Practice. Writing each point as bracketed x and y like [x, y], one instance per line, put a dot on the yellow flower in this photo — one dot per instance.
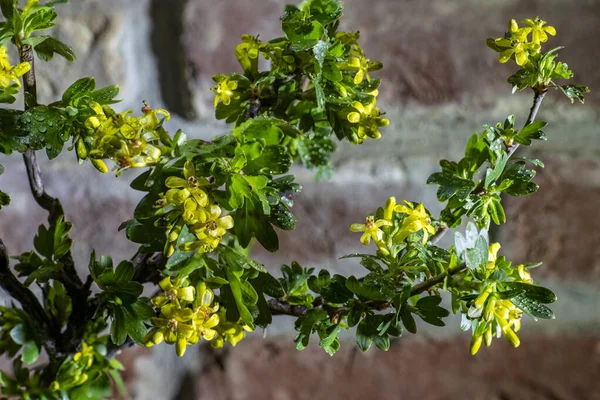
[225, 91]
[417, 219]
[230, 333]
[181, 189]
[361, 63]
[369, 119]
[371, 230]
[8, 73]
[173, 293]
[173, 326]
[211, 223]
[86, 355]
[524, 274]
[538, 30]
[516, 44]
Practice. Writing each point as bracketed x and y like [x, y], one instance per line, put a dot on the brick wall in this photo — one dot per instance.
[441, 83]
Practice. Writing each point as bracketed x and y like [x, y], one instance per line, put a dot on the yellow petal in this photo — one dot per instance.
[354, 117]
[21, 69]
[226, 222]
[521, 57]
[358, 227]
[365, 238]
[513, 26]
[550, 30]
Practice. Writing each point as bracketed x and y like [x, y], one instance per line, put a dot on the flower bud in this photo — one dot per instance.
[81, 149]
[483, 296]
[488, 314]
[475, 344]
[488, 335]
[181, 346]
[388, 211]
[100, 165]
[511, 336]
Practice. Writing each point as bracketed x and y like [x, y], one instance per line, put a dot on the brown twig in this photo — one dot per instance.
[439, 234]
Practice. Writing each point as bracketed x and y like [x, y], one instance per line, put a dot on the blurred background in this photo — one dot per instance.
[440, 84]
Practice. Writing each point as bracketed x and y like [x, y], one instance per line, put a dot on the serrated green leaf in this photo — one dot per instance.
[364, 290]
[451, 185]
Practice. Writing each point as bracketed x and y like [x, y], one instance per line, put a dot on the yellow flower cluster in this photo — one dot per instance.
[74, 373]
[9, 73]
[185, 203]
[131, 142]
[416, 218]
[187, 314]
[498, 316]
[368, 118]
[516, 44]
[229, 332]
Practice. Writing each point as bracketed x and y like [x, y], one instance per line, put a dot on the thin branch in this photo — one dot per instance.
[279, 307]
[439, 234]
[429, 283]
[18, 291]
[535, 107]
[43, 199]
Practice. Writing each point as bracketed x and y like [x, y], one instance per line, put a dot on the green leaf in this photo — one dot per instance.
[51, 46]
[531, 131]
[521, 179]
[302, 33]
[574, 92]
[329, 339]
[451, 185]
[35, 40]
[236, 290]
[364, 290]
[44, 127]
[118, 332]
[305, 326]
[62, 243]
[496, 211]
[31, 352]
[492, 174]
[324, 11]
[250, 221]
[333, 290]
[282, 217]
[43, 242]
[478, 255]
[531, 307]
[105, 95]
[19, 334]
[240, 187]
[80, 88]
[534, 292]
[274, 160]
[4, 199]
[407, 319]
[9, 9]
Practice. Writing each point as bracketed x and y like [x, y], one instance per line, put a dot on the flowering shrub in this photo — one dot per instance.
[205, 202]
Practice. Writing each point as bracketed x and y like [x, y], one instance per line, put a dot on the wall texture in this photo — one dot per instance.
[441, 83]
